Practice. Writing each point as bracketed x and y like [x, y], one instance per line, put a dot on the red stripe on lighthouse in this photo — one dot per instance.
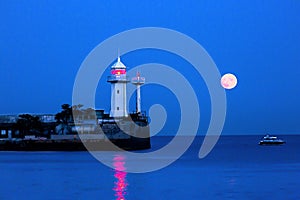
[118, 71]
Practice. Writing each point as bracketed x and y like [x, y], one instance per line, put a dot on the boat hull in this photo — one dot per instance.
[271, 143]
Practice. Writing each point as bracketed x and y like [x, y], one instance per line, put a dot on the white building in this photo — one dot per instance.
[118, 80]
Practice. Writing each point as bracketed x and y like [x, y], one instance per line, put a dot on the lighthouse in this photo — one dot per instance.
[138, 81]
[118, 80]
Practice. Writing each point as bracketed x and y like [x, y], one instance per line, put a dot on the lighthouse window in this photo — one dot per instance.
[117, 108]
[118, 91]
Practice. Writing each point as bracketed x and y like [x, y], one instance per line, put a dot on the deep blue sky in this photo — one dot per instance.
[42, 45]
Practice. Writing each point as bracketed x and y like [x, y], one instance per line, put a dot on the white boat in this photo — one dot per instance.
[271, 140]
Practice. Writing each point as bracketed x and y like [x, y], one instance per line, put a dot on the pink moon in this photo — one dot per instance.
[228, 81]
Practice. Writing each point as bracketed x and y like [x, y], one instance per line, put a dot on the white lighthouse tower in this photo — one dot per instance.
[138, 81]
[118, 80]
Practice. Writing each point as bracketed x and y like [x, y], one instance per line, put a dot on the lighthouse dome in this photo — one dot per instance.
[118, 64]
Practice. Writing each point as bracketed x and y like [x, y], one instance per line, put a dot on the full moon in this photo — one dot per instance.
[228, 81]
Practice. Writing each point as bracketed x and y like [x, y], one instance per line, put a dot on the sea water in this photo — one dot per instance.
[237, 168]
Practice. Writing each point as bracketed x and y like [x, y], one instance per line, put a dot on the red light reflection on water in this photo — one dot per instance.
[120, 174]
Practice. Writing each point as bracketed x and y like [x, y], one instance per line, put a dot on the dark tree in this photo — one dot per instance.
[77, 111]
[89, 113]
[64, 119]
[29, 125]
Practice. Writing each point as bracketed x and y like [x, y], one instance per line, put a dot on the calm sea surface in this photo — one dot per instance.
[237, 168]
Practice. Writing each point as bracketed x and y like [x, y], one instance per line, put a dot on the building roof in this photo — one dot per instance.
[118, 64]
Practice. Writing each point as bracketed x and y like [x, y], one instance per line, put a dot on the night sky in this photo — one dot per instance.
[43, 43]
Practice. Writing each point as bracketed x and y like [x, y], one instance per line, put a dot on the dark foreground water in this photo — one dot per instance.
[237, 168]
